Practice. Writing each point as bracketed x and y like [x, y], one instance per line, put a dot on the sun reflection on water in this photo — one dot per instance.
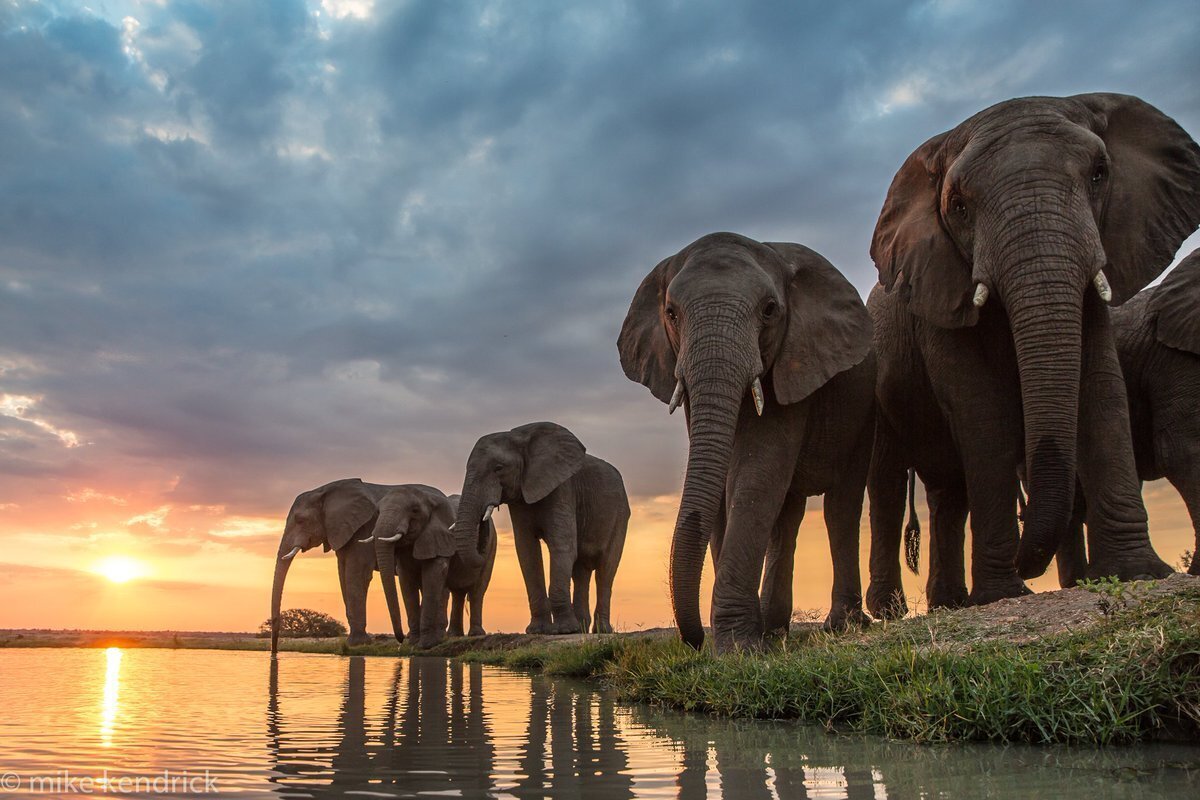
[110, 704]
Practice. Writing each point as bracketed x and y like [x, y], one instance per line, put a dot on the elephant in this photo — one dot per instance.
[335, 516]
[558, 493]
[412, 537]
[1158, 344]
[1055, 207]
[768, 349]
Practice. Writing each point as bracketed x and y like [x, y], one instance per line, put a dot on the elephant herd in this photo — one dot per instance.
[985, 360]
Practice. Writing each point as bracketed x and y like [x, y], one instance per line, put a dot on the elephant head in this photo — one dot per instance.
[1176, 306]
[327, 516]
[521, 465]
[1034, 202]
[416, 517]
[727, 326]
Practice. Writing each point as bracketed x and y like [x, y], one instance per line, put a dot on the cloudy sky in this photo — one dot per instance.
[247, 248]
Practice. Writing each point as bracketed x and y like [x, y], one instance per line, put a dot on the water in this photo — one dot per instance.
[324, 726]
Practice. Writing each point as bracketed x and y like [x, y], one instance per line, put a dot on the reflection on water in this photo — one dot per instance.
[112, 689]
[325, 726]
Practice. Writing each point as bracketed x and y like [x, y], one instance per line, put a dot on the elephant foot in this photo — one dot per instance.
[359, 637]
[1194, 569]
[477, 630]
[990, 593]
[1143, 566]
[538, 626]
[455, 630]
[949, 597]
[565, 626]
[727, 642]
[843, 618]
[432, 639]
[886, 602]
[602, 626]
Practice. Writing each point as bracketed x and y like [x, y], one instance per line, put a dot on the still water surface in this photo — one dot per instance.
[325, 726]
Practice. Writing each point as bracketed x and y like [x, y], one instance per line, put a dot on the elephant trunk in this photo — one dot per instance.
[469, 530]
[385, 557]
[717, 372]
[1044, 300]
[282, 565]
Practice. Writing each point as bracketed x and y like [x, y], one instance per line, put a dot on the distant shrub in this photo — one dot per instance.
[300, 622]
[1185, 560]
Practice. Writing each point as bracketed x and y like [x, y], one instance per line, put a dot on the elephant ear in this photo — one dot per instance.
[346, 508]
[1154, 189]
[828, 327]
[646, 354]
[552, 455]
[911, 248]
[1177, 303]
[437, 540]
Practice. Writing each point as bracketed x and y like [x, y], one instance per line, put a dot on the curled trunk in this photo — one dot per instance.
[469, 532]
[282, 566]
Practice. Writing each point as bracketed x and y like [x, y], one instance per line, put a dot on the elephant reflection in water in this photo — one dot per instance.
[587, 756]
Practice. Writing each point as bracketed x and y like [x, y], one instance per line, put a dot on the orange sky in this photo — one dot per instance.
[221, 580]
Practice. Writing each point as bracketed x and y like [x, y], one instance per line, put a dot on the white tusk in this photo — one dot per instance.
[1102, 286]
[370, 538]
[488, 514]
[756, 393]
[676, 398]
[391, 539]
[981, 295]
[451, 528]
[290, 555]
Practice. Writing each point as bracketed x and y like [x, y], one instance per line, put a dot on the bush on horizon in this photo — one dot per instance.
[296, 623]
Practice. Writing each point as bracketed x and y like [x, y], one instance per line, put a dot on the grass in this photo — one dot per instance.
[1135, 675]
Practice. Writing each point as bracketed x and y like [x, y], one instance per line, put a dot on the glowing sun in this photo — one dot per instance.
[119, 569]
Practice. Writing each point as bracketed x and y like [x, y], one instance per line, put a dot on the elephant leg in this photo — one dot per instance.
[563, 544]
[433, 601]
[1071, 556]
[354, 574]
[886, 485]
[476, 600]
[529, 556]
[765, 450]
[1189, 487]
[843, 518]
[776, 599]
[947, 584]
[410, 589]
[581, 578]
[1117, 526]
[457, 599]
[717, 538]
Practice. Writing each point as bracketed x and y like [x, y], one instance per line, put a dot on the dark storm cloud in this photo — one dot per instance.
[256, 248]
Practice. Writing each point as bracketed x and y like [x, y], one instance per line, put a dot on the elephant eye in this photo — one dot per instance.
[497, 467]
[1099, 173]
[672, 314]
[769, 309]
[958, 206]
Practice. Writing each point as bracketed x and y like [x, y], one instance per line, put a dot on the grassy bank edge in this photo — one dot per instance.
[1133, 676]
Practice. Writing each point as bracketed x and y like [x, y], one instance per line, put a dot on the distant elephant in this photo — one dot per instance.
[768, 348]
[334, 516]
[1053, 207]
[1158, 344]
[412, 537]
[558, 494]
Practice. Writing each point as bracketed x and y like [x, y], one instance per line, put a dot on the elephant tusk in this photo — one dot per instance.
[756, 393]
[981, 295]
[290, 555]
[488, 514]
[370, 538]
[1102, 286]
[676, 397]
[391, 539]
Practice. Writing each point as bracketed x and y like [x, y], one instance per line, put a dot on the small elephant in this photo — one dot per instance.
[334, 516]
[1053, 207]
[559, 494]
[768, 348]
[412, 537]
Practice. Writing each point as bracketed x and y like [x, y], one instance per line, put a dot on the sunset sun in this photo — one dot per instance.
[119, 569]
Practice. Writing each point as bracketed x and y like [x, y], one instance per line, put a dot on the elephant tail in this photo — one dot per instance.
[912, 529]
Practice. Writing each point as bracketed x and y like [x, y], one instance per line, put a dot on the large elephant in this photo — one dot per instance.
[334, 516]
[412, 537]
[1052, 207]
[768, 347]
[559, 494]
